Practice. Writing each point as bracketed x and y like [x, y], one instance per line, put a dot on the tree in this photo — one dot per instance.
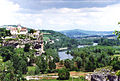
[69, 64]
[53, 53]
[37, 70]
[27, 48]
[52, 65]
[63, 74]
[67, 52]
[116, 65]
[79, 62]
[7, 72]
[6, 52]
[117, 33]
[19, 64]
[4, 32]
[41, 63]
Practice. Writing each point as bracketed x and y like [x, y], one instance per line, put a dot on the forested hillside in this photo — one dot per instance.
[57, 40]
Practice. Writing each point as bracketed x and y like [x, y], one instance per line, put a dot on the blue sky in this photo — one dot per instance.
[98, 15]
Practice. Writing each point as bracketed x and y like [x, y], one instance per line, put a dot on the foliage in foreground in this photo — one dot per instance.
[63, 74]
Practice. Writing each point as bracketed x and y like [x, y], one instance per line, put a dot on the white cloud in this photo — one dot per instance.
[7, 11]
[105, 18]
[102, 18]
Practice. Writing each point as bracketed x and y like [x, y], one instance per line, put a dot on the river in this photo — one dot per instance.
[63, 55]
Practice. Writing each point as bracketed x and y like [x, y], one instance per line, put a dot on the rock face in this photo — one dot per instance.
[103, 74]
[36, 44]
[97, 77]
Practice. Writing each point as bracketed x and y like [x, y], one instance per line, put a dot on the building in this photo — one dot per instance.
[17, 30]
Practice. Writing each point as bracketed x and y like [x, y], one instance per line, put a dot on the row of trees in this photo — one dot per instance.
[107, 42]
[101, 41]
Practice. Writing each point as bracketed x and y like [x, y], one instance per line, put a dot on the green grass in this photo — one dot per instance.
[31, 68]
[74, 79]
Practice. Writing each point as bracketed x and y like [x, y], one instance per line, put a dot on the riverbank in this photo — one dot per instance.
[62, 52]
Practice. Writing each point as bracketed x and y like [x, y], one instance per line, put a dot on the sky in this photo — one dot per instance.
[98, 15]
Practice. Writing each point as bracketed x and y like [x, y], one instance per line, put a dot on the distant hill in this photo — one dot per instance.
[83, 33]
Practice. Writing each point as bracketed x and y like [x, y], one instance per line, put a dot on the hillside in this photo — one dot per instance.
[57, 40]
[83, 33]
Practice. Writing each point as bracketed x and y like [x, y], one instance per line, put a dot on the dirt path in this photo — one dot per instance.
[72, 73]
[55, 75]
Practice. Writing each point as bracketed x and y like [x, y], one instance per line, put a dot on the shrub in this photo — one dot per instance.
[31, 72]
[52, 65]
[63, 74]
[37, 70]
[69, 64]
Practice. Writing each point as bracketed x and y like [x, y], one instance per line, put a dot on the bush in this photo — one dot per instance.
[63, 74]
[37, 70]
[31, 72]
[52, 65]
[69, 64]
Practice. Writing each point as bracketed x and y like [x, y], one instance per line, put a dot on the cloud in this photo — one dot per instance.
[95, 18]
[7, 11]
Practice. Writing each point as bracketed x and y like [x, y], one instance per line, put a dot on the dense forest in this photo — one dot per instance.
[90, 58]
[15, 63]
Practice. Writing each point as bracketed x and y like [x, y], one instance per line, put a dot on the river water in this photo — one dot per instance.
[63, 55]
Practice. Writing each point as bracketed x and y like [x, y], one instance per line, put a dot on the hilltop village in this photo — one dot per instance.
[20, 36]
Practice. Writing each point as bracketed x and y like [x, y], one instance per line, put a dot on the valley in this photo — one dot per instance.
[45, 54]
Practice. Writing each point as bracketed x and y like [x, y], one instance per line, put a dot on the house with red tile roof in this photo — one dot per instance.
[17, 30]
